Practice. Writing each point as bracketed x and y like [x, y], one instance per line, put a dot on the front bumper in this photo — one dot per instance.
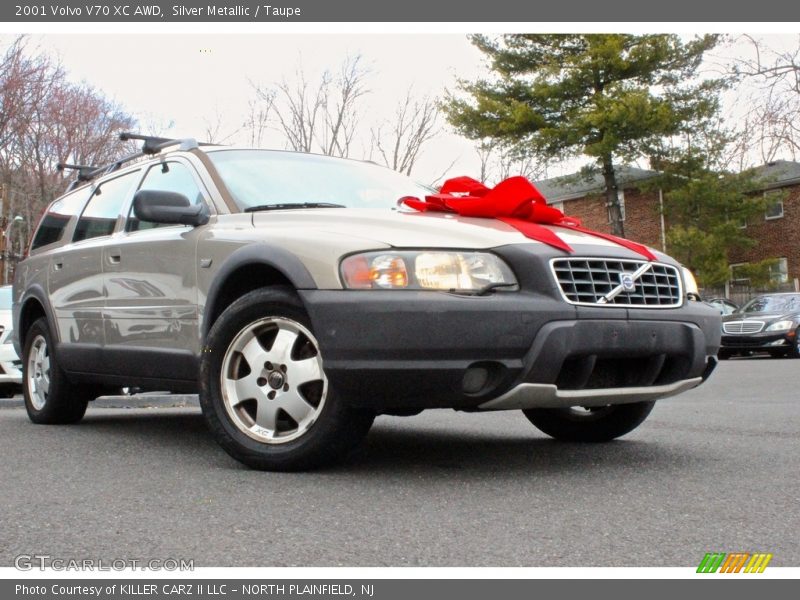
[404, 350]
[759, 341]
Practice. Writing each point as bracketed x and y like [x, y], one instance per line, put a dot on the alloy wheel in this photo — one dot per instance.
[272, 381]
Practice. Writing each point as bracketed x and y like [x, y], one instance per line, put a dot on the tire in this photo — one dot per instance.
[589, 425]
[50, 398]
[273, 409]
[794, 352]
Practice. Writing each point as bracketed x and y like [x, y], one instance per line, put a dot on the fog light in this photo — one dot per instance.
[475, 380]
[777, 343]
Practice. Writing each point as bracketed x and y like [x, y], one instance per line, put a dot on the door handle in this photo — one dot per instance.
[58, 266]
[115, 258]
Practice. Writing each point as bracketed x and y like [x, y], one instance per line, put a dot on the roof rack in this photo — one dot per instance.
[151, 145]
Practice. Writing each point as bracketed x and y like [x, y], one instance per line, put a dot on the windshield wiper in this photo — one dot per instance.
[287, 205]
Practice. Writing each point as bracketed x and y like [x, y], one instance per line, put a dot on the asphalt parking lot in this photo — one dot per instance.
[717, 469]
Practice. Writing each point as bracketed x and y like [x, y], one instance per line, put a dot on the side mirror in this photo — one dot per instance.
[158, 206]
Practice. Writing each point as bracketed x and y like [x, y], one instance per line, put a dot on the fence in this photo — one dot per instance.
[740, 292]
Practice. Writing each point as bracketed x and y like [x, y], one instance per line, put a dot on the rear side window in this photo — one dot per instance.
[100, 215]
[55, 220]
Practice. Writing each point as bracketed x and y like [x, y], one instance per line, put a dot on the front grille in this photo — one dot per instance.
[743, 326]
[588, 281]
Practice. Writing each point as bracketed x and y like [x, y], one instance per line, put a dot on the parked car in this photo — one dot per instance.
[769, 323]
[725, 306]
[10, 365]
[300, 301]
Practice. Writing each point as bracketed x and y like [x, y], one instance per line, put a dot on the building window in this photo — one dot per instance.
[739, 275]
[621, 196]
[559, 205]
[779, 272]
[774, 208]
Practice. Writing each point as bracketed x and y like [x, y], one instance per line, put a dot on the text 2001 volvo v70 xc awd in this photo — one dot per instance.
[301, 299]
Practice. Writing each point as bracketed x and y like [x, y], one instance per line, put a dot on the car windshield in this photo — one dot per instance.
[259, 178]
[773, 304]
[5, 298]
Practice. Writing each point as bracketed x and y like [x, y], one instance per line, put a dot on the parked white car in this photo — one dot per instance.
[10, 365]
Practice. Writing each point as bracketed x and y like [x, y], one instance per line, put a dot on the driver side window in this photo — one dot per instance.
[169, 177]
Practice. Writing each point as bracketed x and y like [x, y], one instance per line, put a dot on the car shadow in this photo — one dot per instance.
[499, 455]
[182, 434]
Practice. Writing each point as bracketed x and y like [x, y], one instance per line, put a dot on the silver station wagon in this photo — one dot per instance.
[300, 300]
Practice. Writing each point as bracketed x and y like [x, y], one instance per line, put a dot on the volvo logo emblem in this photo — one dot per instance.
[627, 282]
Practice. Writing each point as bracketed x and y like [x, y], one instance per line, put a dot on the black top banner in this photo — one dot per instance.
[262, 11]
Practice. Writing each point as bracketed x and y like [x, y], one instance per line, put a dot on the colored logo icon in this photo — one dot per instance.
[735, 562]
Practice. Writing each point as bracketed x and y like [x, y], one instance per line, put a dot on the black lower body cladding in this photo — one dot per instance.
[390, 350]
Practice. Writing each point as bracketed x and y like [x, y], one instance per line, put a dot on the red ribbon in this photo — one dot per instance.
[516, 202]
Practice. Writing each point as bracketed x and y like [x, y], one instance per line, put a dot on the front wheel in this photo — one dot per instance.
[264, 392]
[596, 424]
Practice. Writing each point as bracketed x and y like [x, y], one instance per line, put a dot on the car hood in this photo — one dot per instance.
[414, 230]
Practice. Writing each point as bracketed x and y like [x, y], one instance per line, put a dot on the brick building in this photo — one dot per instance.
[777, 233]
[583, 196]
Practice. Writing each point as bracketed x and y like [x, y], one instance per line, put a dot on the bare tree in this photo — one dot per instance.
[320, 115]
[46, 119]
[498, 162]
[256, 122]
[212, 130]
[771, 126]
[400, 141]
[485, 150]
[341, 107]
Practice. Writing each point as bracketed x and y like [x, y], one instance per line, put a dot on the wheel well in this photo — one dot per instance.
[30, 312]
[243, 280]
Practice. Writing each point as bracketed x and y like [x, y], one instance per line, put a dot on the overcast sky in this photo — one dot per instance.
[188, 79]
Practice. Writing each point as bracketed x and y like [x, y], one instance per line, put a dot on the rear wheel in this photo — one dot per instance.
[50, 398]
[264, 391]
[596, 424]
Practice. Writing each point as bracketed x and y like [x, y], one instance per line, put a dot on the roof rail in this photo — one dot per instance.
[85, 173]
[151, 145]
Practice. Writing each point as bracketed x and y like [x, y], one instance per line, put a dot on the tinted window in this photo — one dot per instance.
[168, 177]
[55, 220]
[100, 215]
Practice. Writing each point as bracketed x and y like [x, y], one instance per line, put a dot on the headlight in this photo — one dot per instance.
[691, 284]
[426, 270]
[781, 326]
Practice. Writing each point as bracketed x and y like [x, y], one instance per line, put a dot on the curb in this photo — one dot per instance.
[136, 401]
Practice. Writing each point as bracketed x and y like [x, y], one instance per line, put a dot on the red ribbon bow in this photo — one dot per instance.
[516, 202]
